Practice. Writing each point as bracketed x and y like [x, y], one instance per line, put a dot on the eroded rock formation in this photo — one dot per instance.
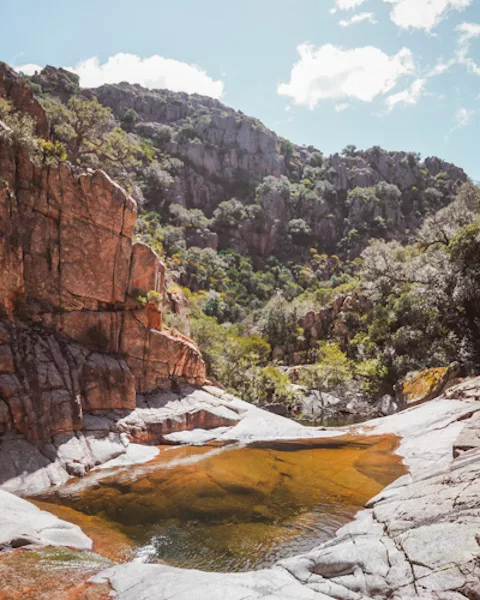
[74, 339]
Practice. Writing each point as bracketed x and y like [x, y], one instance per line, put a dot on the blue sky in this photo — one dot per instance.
[402, 74]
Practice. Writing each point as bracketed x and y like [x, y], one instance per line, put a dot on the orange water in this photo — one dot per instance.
[231, 508]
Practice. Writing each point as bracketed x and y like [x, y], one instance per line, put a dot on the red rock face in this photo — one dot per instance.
[71, 271]
[14, 89]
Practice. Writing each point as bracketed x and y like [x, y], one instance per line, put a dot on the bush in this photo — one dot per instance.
[156, 184]
[19, 131]
[163, 135]
[229, 213]
[129, 119]
[333, 370]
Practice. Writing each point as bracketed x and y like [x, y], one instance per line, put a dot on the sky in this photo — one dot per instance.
[401, 74]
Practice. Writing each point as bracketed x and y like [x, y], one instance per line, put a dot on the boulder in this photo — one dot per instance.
[427, 384]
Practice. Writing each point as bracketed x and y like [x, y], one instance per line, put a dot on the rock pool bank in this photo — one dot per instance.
[417, 538]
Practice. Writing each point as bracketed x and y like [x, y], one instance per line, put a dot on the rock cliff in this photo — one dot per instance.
[74, 338]
[224, 153]
[294, 197]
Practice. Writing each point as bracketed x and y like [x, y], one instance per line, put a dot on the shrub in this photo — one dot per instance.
[332, 371]
[129, 119]
[53, 152]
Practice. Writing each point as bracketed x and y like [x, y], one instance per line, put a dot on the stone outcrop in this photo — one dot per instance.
[425, 385]
[163, 413]
[23, 524]
[226, 154]
[418, 539]
[74, 338]
[331, 321]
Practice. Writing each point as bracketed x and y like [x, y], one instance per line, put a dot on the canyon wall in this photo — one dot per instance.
[74, 337]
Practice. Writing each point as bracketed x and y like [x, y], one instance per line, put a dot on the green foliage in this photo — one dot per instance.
[151, 297]
[163, 135]
[246, 304]
[189, 219]
[19, 130]
[252, 378]
[186, 133]
[82, 125]
[350, 150]
[129, 119]
[156, 185]
[53, 152]
[288, 149]
[316, 159]
[332, 371]
[278, 322]
[229, 213]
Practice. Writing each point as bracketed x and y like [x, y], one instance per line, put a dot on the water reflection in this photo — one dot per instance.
[235, 509]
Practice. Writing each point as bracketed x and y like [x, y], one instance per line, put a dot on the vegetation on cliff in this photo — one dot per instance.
[265, 237]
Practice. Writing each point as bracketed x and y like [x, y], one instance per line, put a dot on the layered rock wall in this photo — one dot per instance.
[74, 337]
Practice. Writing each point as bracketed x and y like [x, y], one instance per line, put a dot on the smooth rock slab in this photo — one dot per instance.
[22, 524]
[148, 582]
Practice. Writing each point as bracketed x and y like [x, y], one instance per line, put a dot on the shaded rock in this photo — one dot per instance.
[276, 409]
[163, 413]
[469, 437]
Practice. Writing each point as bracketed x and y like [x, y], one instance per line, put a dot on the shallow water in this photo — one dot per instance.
[235, 508]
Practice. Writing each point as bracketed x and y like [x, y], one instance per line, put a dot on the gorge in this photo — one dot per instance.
[97, 391]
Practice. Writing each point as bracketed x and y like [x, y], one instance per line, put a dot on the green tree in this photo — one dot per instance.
[332, 371]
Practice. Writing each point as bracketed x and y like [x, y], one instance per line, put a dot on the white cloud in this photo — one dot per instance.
[411, 95]
[29, 69]
[468, 31]
[342, 106]
[332, 72]
[463, 117]
[440, 68]
[422, 14]
[346, 5]
[364, 16]
[152, 72]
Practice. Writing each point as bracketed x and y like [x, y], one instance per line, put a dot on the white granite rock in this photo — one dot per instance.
[22, 523]
[419, 538]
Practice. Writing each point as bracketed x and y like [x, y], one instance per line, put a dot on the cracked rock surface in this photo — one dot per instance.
[419, 538]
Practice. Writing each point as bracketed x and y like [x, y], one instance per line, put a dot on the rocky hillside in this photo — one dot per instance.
[291, 198]
[357, 262]
[81, 303]
[312, 200]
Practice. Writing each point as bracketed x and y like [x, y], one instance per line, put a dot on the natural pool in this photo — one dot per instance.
[231, 508]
